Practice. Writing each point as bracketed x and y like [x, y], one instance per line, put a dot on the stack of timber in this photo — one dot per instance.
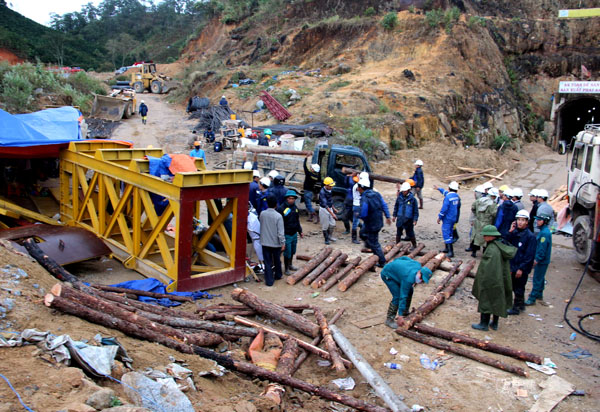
[471, 173]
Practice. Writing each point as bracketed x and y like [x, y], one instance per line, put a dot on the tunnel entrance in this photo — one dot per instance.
[574, 114]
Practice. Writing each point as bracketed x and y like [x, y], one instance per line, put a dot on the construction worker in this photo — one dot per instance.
[272, 239]
[533, 212]
[209, 135]
[449, 215]
[484, 210]
[506, 213]
[278, 189]
[143, 111]
[356, 196]
[544, 207]
[349, 181]
[486, 187]
[372, 209]
[198, 152]
[543, 251]
[292, 228]
[406, 214]
[272, 175]
[400, 276]
[501, 191]
[261, 196]
[254, 187]
[419, 180]
[311, 178]
[521, 264]
[254, 233]
[517, 194]
[492, 286]
[223, 102]
[326, 213]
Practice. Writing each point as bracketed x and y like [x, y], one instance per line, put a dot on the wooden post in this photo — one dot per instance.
[427, 257]
[361, 269]
[462, 352]
[143, 293]
[375, 380]
[434, 263]
[334, 279]
[320, 281]
[324, 265]
[478, 343]
[275, 311]
[285, 366]
[332, 348]
[416, 250]
[304, 270]
[48, 263]
[444, 282]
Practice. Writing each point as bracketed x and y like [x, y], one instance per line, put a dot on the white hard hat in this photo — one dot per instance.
[453, 185]
[248, 165]
[517, 192]
[273, 174]
[487, 186]
[255, 173]
[315, 167]
[493, 192]
[479, 189]
[265, 181]
[542, 193]
[419, 162]
[533, 192]
[508, 192]
[364, 182]
[404, 187]
[141, 101]
[522, 213]
[363, 175]
[223, 97]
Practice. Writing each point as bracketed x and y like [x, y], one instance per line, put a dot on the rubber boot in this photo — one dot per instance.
[413, 242]
[470, 248]
[355, 239]
[445, 249]
[406, 311]
[310, 217]
[483, 322]
[330, 230]
[292, 267]
[286, 264]
[347, 227]
[420, 203]
[317, 218]
[494, 322]
[530, 301]
[390, 320]
[326, 236]
[450, 250]
[513, 311]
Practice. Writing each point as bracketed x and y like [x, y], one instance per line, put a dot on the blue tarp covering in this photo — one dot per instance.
[50, 126]
[156, 286]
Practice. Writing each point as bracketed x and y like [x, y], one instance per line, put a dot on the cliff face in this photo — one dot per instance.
[489, 70]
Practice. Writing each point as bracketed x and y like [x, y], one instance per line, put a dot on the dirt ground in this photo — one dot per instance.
[459, 385]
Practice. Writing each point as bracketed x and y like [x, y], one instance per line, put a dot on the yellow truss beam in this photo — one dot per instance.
[578, 13]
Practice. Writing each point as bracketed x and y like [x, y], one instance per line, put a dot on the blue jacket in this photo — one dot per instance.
[372, 209]
[254, 193]
[349, 183]
[418, 177]
[261, 202]
[543, 249]
[406, 208]
[143, 109]
[506, 215]
[199, 153]
[525, 243]
[450, 212]
[404, 271]
[223, 102]
[325, 198]
[279, 193]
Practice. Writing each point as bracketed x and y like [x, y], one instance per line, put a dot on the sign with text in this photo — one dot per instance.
[579, 87]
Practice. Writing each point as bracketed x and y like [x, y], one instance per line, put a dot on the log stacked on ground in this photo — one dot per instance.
[327, 273]
[144, 293]
[445, 281]
[309, 266]
[324, 265]
[361, 269]
[416, 250]
[335, 278]
[427, 257]
[332, 348]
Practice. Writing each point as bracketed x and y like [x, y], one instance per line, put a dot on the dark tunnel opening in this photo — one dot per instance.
[574, 115]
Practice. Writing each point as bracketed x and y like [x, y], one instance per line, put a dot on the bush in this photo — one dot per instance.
[390, 21]
[477, 21]
[383, 108]
[360, 135]
[396, 145]
[369, 12]
[339, 84]
[502, 142]
[470, 138]
[17, 92]
[451, 16]
[433, 17]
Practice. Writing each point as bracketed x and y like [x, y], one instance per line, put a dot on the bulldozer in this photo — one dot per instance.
[147, 78]
[119, 104]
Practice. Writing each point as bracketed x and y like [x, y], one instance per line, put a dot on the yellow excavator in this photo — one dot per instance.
[147, 78]
[119, 104]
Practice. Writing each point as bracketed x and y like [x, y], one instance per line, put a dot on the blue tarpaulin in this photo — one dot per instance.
[50, 126]
[156, 286]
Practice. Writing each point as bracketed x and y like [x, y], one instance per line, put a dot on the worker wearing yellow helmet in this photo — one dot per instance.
[327, 215]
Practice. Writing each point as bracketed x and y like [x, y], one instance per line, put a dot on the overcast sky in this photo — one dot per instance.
[39, 10]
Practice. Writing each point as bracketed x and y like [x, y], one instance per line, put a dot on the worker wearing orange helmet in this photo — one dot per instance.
[198, 152]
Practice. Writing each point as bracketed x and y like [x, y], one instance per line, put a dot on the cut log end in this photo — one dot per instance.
[48, 299]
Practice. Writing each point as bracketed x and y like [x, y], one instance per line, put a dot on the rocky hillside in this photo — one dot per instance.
[474, 70]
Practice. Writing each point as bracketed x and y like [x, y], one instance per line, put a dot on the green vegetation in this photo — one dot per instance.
[370, 12]
[360, 135]
[338, 85]
[390, 21]
[395, 145]
[19, 83]
[501, 142]
[447, 18]
[476, 21]
[383, 108]
[470, 138]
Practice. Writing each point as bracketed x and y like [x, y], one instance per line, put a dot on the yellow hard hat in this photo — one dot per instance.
[503, 188]
[328, 182]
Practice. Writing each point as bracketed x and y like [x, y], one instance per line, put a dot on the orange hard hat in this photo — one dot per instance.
[196, 143]
[355, 179]
[410, 182]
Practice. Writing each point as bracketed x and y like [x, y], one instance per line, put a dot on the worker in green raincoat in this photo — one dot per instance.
[493, 284]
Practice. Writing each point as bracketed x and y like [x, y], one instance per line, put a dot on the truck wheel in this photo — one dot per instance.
[582, 238]
[127, 111]
[339, 206]
[155, 87]
[138, 87]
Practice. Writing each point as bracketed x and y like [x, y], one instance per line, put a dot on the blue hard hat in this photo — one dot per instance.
[291, 193]
[426, 274]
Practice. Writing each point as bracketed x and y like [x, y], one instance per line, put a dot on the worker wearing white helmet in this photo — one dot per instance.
[506, 211]
[544, 207]
[534, 206]
[484, 213]
[143, 111]
[261, 196]
[406, 214]
[487, 186]
[521, 264]
[449, 216]
[273, 174]
[223, 102]
[517, 194]
[419, 180]
[311, 179]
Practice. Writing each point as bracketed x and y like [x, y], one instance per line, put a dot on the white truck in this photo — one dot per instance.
[584, 194]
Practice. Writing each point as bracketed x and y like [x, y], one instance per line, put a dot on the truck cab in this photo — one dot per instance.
[582, 187]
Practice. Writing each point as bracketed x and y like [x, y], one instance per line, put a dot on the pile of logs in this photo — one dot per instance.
[471, 173]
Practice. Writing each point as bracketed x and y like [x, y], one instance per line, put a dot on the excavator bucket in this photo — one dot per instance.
[109, 108]
[168, 85]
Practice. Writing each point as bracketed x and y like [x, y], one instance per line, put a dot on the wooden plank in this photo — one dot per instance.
[368, 322]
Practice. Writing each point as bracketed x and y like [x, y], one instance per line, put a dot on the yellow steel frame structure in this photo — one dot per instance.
[106, 188]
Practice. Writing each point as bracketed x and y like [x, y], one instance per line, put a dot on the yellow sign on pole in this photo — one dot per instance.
[579, 13]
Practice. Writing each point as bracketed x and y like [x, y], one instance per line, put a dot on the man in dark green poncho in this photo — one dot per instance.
[493, 285]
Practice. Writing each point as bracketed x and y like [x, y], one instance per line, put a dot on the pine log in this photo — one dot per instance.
[444, 282]
[137, 331]
[433, 301]
[373, 176]
[48, 263]
[304, 257]
[361, 269]
[478, 343]
[375, 380]
[434, 263]
[315, 342]
[258, 372]
[416, 250]
[324, 265]
[309, 266]
[275, 311]
[448, 347]
[143, 293]
[266, 150]
[304, 345]
[201, 338]
[209, 316]
[235, 308]
[447, 266]
[399, 250]
[320, 281]
[336, 358]
[427, 257]
[334, 279]
[285, 366]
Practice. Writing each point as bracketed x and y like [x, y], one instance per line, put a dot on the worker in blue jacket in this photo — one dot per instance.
[372, 209]
[278, 189]
[507, 211]
[198, 152]
[543, 251]
[449, 215]
[262, 194]
[143, 111]
[400, 276]
[419, 180]
[406, 214]
[521, 264]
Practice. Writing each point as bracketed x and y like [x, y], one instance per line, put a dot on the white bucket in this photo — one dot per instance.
[287, 143]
